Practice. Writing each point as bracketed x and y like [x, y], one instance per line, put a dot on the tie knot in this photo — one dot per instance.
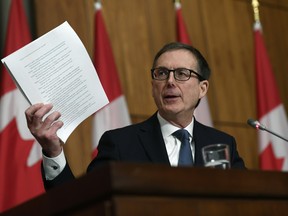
[181, 134]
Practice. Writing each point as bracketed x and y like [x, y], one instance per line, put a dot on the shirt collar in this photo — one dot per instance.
[167, 128]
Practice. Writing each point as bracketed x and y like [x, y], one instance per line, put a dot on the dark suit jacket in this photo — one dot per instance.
[143, 143]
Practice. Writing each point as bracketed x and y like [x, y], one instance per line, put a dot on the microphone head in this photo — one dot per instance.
[251, 122]
[255, 124]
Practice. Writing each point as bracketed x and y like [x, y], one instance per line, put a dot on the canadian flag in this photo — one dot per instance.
[270, 110]
[202, 112]
[20, 155]
[115, 114]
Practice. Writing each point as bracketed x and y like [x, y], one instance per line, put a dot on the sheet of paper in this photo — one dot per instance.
[56, 68]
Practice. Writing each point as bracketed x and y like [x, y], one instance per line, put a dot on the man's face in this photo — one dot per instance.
[174, 97]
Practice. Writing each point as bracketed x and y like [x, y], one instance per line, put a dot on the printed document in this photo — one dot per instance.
[56, 69]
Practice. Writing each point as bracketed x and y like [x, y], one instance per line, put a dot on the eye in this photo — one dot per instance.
[162, 72]
[182, 72]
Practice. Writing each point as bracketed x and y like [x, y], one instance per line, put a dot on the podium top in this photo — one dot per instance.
[127, 179]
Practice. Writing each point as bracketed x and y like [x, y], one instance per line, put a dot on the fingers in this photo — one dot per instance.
[29, 113]
[51, 125]
[35, 114]
[55, 127]
[44, 127]
[50, 119]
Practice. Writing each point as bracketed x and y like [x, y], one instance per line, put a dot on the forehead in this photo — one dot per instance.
[176, 59]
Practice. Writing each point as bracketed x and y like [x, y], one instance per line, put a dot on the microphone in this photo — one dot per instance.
[256, 124]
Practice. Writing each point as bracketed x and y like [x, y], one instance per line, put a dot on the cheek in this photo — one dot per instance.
[153, 93]
[156, 90]
[192, 94]
[156, 93]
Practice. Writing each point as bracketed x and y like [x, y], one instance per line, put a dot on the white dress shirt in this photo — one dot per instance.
[171, 142]
[53, 166]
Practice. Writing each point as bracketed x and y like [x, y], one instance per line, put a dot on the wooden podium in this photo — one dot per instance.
[140, 189]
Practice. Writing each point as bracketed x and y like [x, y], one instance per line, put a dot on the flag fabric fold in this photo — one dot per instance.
[270, 110]
[20, 154]
[202, 112]
[115, 114]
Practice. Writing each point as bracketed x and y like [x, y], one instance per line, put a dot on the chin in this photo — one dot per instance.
[170, 110]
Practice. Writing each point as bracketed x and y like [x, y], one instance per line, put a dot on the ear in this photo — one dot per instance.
[204, 85]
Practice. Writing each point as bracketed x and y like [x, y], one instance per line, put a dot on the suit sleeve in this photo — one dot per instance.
[107, 151]
[236, 161]
[65, 176]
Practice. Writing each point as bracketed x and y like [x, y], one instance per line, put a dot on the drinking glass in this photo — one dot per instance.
[216, 156]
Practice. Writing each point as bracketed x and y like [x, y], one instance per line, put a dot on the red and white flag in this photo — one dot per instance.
[115, 114]
[270, 110]
[202, 112]
[20, 154]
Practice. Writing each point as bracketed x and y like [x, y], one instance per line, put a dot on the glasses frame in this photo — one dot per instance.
[201, 78]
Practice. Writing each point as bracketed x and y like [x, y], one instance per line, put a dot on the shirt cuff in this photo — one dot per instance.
[53, 166]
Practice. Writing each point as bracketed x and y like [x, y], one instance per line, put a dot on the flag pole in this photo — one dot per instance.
[257, 23]
[255, 5]
[97, 4]
[177, 4]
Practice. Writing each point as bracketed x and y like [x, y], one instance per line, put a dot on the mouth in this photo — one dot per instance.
[171, 97]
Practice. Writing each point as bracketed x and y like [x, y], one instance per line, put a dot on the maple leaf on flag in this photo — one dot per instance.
[270, 109]
[19, 180]
[269, 160]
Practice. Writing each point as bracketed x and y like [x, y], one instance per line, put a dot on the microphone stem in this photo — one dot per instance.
[275, 134]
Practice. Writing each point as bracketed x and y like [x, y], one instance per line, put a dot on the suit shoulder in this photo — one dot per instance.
[141, 126]
[144, 125]
[210, 130]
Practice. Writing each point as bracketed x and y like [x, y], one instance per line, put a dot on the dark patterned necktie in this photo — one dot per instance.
[185, 154]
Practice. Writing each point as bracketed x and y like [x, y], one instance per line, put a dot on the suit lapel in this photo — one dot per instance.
[200, 139]
[152, 140]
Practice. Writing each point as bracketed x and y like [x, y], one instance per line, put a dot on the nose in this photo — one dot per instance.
[171, 77]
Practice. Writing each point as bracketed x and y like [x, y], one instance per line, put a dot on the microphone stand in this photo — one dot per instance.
[275, 134]
[259, 126]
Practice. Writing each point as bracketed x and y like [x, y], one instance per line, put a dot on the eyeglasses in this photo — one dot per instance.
[180, 74]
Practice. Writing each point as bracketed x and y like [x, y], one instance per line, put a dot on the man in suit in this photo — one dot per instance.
[179, 80]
